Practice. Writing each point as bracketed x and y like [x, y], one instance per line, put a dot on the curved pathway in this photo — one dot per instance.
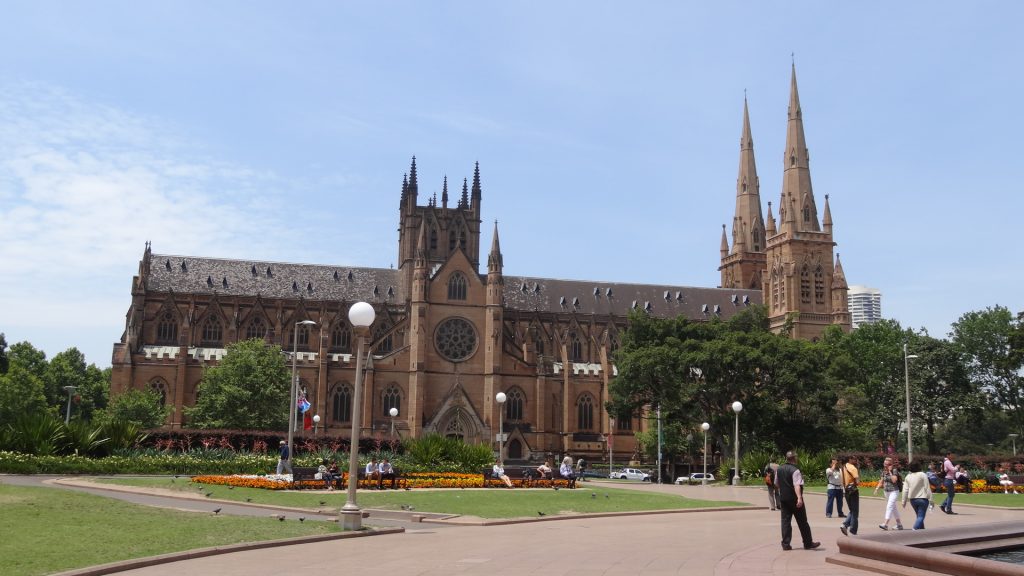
[719, 543]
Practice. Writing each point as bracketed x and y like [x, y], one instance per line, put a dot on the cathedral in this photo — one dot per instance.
[448, 337]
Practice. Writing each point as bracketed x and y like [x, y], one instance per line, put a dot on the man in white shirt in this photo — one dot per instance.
[372, 470]
[385, 472]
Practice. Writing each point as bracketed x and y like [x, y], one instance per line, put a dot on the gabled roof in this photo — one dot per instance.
[611, 298]
[273, 279]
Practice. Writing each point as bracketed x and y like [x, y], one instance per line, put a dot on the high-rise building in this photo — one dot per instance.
[865, 305]
[449, 336]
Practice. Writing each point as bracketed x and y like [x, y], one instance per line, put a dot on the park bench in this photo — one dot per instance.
[992, 481]
[522, 477]
[305, 477]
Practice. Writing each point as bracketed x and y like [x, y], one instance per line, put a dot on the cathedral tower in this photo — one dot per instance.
[743, 265]
[802, 289]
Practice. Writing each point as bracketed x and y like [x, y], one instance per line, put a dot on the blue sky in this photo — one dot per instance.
[607, 136]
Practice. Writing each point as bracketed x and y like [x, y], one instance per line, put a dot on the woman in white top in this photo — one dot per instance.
[566, 471]
[498, 471]
[918, 490]
[1005, 482]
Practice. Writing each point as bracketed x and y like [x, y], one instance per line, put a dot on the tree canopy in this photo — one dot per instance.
[248, 389]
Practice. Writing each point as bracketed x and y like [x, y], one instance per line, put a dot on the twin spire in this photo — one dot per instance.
[797, 208]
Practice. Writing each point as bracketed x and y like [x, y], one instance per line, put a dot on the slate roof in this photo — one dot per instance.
[588, 297]
[189, 274]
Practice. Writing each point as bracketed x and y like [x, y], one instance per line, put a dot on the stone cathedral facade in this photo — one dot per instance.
[448, 336]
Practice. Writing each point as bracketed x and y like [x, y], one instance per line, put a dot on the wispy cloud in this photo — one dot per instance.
[83, 185]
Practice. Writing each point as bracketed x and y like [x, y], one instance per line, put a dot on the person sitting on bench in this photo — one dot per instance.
[566, 471]
[544, 471]
[372, 470]
[1005, 482]
[498, 471]
[385, 472]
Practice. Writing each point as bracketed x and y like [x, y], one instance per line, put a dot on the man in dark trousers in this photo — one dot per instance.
[791, 502]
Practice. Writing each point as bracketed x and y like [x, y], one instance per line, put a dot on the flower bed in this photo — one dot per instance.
[411, 480]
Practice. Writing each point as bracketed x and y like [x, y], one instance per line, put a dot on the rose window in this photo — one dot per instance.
[455, 339]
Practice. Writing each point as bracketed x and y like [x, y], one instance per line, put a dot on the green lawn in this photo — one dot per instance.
[484, 503]
[47, 530]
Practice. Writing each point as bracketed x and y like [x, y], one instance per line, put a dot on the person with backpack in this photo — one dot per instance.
[773, 489]
[891, 483]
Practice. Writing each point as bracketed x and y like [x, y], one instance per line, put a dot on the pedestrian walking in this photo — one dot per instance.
[918, 491]
[949, 482]
[284, 459]
[835, 489]
[851, 479]
[891, 484]
[769, 480]
[791, 498]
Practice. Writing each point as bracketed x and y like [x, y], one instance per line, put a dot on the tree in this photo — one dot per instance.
[3, 354]
[985, 338]
[68, 368]
[249, 389]
[143, 407]
[940, 387]
[21, 392]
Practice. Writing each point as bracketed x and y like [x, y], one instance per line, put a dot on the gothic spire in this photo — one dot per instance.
[464, 201]
[477, 192]
[725, 243]
[796, 177]
[494, 260]
[413, 186]
[748, 224]
[827, 218]
[444, 193]
[770, 230]
[405, 190]
[839, 277]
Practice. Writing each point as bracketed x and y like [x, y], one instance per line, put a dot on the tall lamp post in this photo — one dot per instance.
[293, 410]
[393, 413]
[659, 443]
[736, 407]
[70, 390]
[1013, 438]
[705, 427]
[500, 399]
[361, 316]
[611, 435]
[906, 374]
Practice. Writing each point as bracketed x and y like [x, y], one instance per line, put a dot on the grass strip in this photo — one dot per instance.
[85, 530]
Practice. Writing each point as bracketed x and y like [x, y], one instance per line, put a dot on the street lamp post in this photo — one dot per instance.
[736, 407]
[659, 443]
[705, 427]
[1013, 438]
[293, 411]
[393, 412]
[611, 435]
[500, 399]
[70, 390]
[361, 316]
[906, 374]
[316, 423]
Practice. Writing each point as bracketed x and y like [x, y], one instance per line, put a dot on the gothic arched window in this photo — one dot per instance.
[819, 285]
[392, 399]
[256, 329]
[457, 286]
[299, 337]
[160, 387]
[167, 329]
[433, 238]
[383, 338]
[341, 338]
[576, 349]
[212, 332]
[757, 239]
[341, 403]
[805, 285]
[585, 412]
[514, 405]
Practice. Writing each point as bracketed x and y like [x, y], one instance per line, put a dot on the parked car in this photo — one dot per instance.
[631, 474]
[695, 478]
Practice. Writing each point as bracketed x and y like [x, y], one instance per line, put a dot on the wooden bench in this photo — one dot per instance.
[522, 477]
[305, 477]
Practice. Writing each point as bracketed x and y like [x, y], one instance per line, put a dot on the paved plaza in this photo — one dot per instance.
[715, 542]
